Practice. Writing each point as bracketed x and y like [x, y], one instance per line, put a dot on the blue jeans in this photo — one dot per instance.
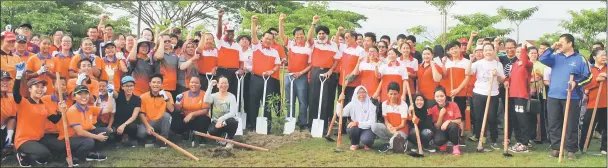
[300, 89]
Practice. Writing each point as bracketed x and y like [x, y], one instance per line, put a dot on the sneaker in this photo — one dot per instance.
[430, 150]
[571, 156]
[385, 148]
[149, 144]
[74, 162]
[414, 150]
[530, 143]
[229, 146]
[456, 151]
[603, 152]
[163, 146]
[461, 141]
[473, 138]
[225, 136]
[96, 157]
[495, 146]
[354, 147]
[519, 148]
[23, 160]
[554, 153]
[133, 143]
[366, 148]
[443, 148]
[41, 162]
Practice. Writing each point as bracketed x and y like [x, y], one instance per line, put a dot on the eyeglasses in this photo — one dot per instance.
[381, 46]
[128, 86]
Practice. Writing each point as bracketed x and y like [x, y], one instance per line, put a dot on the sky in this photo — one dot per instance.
[394, 17]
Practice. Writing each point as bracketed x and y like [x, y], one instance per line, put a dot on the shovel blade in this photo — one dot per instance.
[317, 128]
[261, 126]
[290, 125]
[239, 129]
[243, 119]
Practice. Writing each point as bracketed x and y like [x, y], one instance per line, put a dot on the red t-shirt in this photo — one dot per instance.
[452, 112]
[519, 80]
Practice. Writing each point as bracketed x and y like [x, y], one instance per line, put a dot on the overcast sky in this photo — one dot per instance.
[394, 17]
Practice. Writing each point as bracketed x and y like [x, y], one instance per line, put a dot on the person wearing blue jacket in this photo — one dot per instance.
[564, 63]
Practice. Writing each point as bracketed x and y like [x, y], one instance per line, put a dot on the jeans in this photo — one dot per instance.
[358, 135]
[163, 124]
[300, 89]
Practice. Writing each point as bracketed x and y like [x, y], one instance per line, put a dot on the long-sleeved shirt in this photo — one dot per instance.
[520, 76]
[223, 109]
[594, 86]
[365, 116]
[561, 68]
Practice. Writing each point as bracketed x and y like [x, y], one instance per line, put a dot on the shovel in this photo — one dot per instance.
[240, 116]
[261, 126]
[209, 76]
[290, 125]
[317, 124]
[420, 152]
[485, 116]
[589, 130]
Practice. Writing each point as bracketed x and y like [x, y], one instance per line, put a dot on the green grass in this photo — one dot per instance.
[319, 152]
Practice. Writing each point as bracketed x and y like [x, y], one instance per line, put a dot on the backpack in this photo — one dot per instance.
[399, 144]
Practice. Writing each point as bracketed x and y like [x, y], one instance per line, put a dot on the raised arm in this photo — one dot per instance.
[311, 30]
[133, 53]
[473, 35]
[436, 74]
[282, 29]
[254, 30]
[220, 14]
[160, 50]
[547, 57]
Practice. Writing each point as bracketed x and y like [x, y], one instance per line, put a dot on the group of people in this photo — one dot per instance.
[123, 88]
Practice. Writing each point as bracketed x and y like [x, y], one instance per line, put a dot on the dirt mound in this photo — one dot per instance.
[275, 141]
[219, 152]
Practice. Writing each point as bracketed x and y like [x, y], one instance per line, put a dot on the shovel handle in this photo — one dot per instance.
[589, 130]
[175, 146]
[565, 124]
[229, 141]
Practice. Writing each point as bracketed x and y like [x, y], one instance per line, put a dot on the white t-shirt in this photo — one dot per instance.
[483, 69]
[547, 74]
[247, 58]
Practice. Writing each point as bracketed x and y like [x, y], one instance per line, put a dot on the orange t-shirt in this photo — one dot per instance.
[54, 48]
[369, 79]
[7, 63]
[154, 106]
[265, 59]
[75, 59]
[8, 109]
[392, 72]
[33, 65]
[93, 86]
[455, 76]
[51, 102]
[78, 115]
[395, 114]
[207, 61]
[350, 58]
[426, 84]
[593, 87]
[63, 63]
[299, 56]
[411, 65]
[117, 72]
[280, 49]
[193, 101]
[31, 121]
[324, 54]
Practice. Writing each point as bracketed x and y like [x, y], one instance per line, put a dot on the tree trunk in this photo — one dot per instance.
[139, 20]
[445, 27]
[517, 33]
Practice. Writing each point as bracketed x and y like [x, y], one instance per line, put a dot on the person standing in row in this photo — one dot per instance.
[455, 79]
[352, 54]
[187, 64]
[429, 75]
[168, 64]
[538, 90]
[563, 65]
[519, 94]
[207, 62]
[63, 56]
[21, 48]
[228, 58]
[246, 66]
[593, 89]
[266, 63]
[299, 65]
[43, 65]
[115, 63]
[411, 64]
[86, 52]
[324, 60]
[140, 66]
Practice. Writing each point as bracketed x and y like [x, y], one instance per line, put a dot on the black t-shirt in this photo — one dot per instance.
[418, 56]
[124, 108]
[98, 49]
[507, 65]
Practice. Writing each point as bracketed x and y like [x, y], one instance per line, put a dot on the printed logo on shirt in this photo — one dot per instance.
[572, 64]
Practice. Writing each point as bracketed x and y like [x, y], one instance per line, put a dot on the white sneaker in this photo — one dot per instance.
[229, 146]
[603, 152]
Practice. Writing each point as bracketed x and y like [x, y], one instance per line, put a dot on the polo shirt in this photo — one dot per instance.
[452, 112]
[426, 83]
[8, 109]
[247, 59]
[115, 63]
[51, 102]
[26, 55]
[33, 65]
[369, 78]
[142, 69]
[7, 63]
[192, 101]
[392, 72]
[299, 56]
[228, 53]
[350, 58]
[63, 63]
[411, 64]
[324, 54]
[93, 86]
[395, 114]
[455, 75]
[31, 120]
[75, 59]
[265, 59]
[154, 106]
[207, 61]
[78, 115]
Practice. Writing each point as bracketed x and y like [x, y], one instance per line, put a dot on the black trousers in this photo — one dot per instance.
[314, 94]
[198, 123]
[256, 95]
[129, 131]
[539, 119]
[229, 128]
[246, 93]
[600, 120]
[229, 73]
[521, 119]
[43, 149]
[462, 106]
[205, 83]
[480, 106]
[452, 134]
[82, 146]
[471, 114]
[555, 116]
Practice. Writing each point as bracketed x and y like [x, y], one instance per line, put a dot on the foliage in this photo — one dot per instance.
[442, 5]
[421, 31]
[48, 16]
[549, 38]
[302, 17]
[517, 16]
[278, 110]
[586, 23]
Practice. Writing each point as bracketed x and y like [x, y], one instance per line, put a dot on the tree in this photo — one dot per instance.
[48, 16]
[302, 17]
[549, 38]
[587, 23]
[517, 16]
[443, 6]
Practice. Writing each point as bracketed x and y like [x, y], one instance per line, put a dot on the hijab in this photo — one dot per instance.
[361, 110]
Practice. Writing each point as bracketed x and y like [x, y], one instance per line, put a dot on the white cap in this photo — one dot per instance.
[229, 26]
[479, 47]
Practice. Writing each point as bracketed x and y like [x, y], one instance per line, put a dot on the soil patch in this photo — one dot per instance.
[219, 152]
[274, 141]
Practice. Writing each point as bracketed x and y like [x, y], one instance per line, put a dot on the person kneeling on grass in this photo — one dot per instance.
[394, 111]
[153, 116]
[362, 114]
[192, 112]
[105, 119]
[85, 138]
[446, 118]
[224, 110]
[425, 125]
[128, 106]
[8, 110]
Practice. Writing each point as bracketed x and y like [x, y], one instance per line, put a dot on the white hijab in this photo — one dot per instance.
[363, 112]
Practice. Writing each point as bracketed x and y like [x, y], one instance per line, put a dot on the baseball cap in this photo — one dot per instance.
[4, 75]
[107, 44]
[463, 40]
[479, 47]
[229, 27]
[25, 24]
[8, 36]
[20, 38]
[35, 81]
[81, 88]
[127, 79]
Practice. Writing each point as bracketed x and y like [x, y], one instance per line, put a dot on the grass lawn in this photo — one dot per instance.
[319, 152]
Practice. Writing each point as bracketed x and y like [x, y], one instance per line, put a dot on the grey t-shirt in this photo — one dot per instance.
[183, 76]
[222, 109]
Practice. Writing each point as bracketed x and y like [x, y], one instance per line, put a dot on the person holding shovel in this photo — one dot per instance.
[446, 119]
[224, 110]
[593, 89]
[565, 65]
[394, 111]
[517, 84]
[361, 114]
[425, 123]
